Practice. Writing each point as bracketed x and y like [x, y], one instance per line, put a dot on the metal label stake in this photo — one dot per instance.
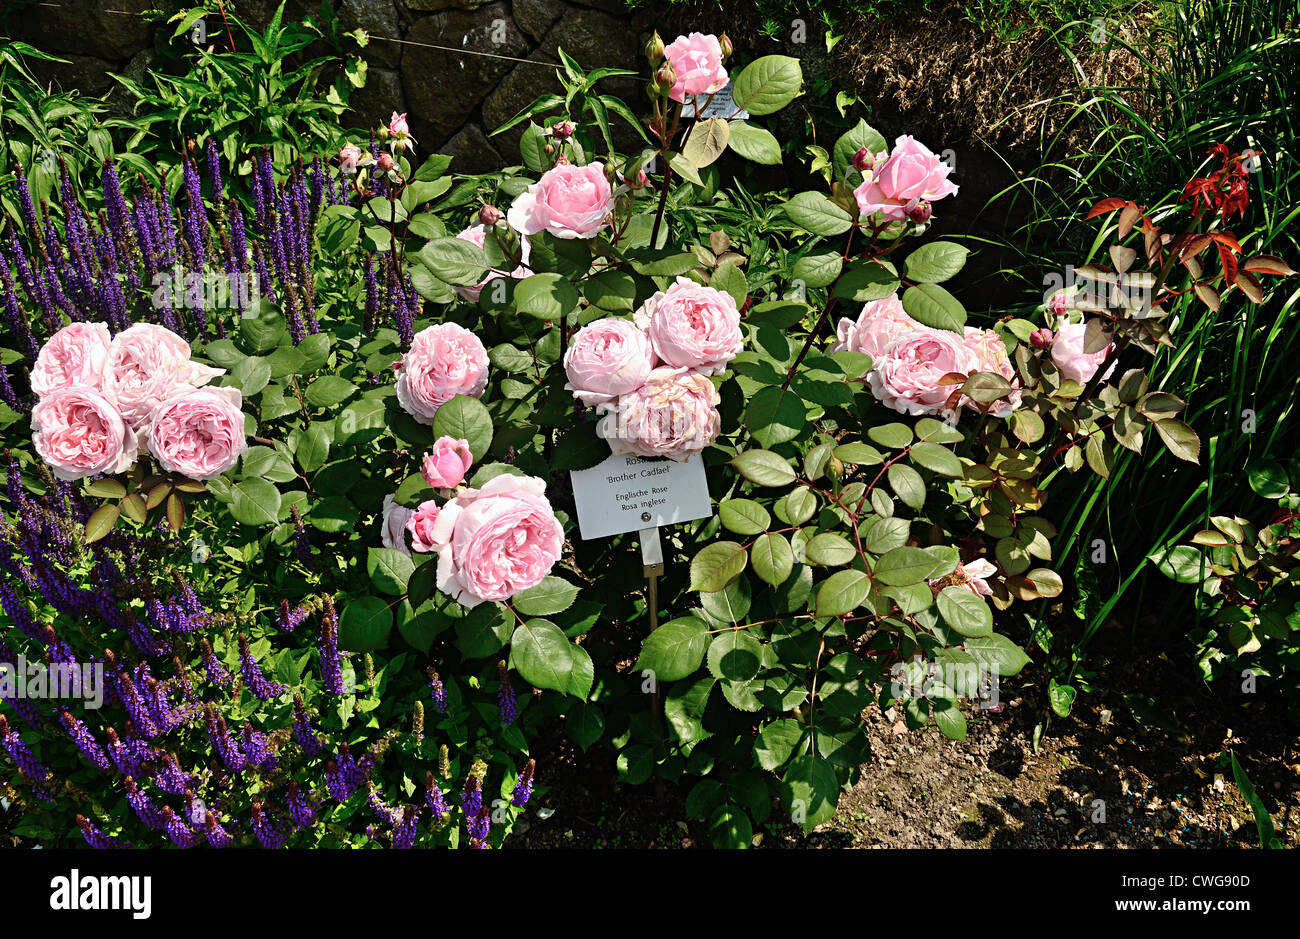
[652, 561]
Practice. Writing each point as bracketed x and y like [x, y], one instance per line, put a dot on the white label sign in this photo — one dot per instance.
[631, 493]
[721, 105]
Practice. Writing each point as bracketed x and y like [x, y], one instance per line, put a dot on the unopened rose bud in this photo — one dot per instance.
[550, 148]
[638, 182]
[382, 133]
[920, 213]
[1040, 338]
[727, 47]
[385, 162]
[666, 77]
[654, 50]
[489, 215]
[562, 130]
[1059, 303]
[835, 469]
[863, 160]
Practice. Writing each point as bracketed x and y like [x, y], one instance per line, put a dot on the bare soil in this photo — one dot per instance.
[1105, 777]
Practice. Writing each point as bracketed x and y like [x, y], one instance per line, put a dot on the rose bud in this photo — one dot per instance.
[654, 49]
[562, 130]
[489, 215]
[726, 45]
[863, 160]
[666, 77]
[920, 213]
[385, 162]
[1040, 338]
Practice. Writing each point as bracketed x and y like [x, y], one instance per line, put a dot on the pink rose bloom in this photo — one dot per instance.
[421, 524]
[906, 377]
[349, 157]
[674, 414]
[876, 328]
[447, 463]
[477, 235]
[397, 125]
[607, 358]
[76, 355]
[1059, 303]
[692, 326]
[1072, 362]
[496, 541]
[697, 61]
[973, 576]
[991, 353]
[445, 360]
[79, 433]
[147, 364]
[908, 176]
[392, 525]
[568, 201]
[198, 434]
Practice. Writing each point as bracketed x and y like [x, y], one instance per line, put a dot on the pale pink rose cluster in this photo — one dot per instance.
[909, 360]
[477, 236]
[973, 576]
[649, 376]
[568, 201]
[905, 183]
[444, 360]
[103, 398]
[491, 542]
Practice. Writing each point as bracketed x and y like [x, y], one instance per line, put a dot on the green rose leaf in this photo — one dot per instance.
[675, 649]
[454, 261]
[389, 570]
[843, 592]
[546, 296]
[764, 468]
[717, 565]
[465, 418]
[255, 502]
[754, 143]
[553, 595]
[768, 84]
[965, 612]
[935, 262]
[365, 624]
[772, 558]
[932, 305]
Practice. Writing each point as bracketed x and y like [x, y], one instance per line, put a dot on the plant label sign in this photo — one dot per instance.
[722, 105]
[633, 493]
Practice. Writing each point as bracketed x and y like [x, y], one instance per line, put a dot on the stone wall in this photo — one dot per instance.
[455, 95]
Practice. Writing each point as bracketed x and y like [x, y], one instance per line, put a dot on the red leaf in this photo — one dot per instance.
[1267, 264]
[1106, 205]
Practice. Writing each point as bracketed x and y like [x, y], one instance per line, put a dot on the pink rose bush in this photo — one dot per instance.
[991, 356]
[874, 331]
[79, 433]
[420, 523]
[199, 434]
[445, 360]
[76, 355]
[568, 201]
[649, 376]
[1070, 358]
[908, 180]
[691, 326]
[907, 377]
[673, 414]
[697, 64]
[607, 358]
[477, 236]
[445, 466]
[491, 542]
[143, 380]
[147, 364]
